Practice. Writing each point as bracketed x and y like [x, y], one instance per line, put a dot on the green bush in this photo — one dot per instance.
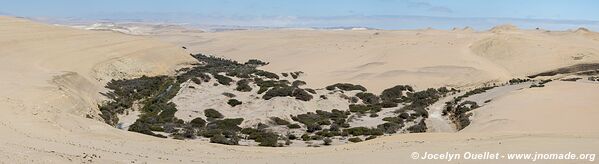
[278, 92]
[243, 85]
[212, 113]
[301, 94]
[229, 95]
[390, 127]
[394, 94]
[359, 108]
[267, 74]
[355, 139]
[268, 139]
[370, 137]
[294, 126]
[346, 87]
[279, 121]
[256, 62]
[298, 83]
[221, 139]
[229, 124]
[418, 128]
[224, 80]
[368, 98]
[198, 122]
[327, 141]
[359, 131]
[234, 102]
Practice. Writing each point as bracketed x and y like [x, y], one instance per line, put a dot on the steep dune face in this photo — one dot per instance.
[527, 52]
[79, 62]
[566, 107]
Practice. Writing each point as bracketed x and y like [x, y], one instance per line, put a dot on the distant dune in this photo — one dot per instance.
[380, 59]
[51, 77]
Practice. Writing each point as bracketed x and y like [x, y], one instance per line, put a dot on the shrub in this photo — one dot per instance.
[301, 94]
[224, 80]
[198, 122]
[327, 141]
[267, 74]
[243, 86]
[256, 62]
[418, 128]
[394, 94]
[358, 131]
[355, 139]
[220, 139]
[279, 121]
[278, 92]
[229, 124]
[306, 137]
[229, 95]
[346, 87]
[388, 104]
[293, 126]
[295, 75]
[359, 108]
[390, 127]
[267, 139]
[212, 113]
[285, 74]
[368, 98]
[298, 83]
[196, 80]
[370, 137]
[310, 90]
[234, 102]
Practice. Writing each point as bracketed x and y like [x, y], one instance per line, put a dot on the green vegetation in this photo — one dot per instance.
[279, 121]
[517, 81]
[355, 139]
[368, 98]
[243, 85]
[234, 102]
[212, 114]
[346, 87]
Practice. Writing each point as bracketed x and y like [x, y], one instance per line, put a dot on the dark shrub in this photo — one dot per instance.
[355, 139]
[256, 62]
[196, 80]
[346, 87]
[390, 127]
[229, 124]
[220, 139]
[234, 102]
[310, 90]
[404, 115]
[370, 137]
[267, 74]
[298, 83]
[301, 94]
[212, 113]
[359, 108]
[327, 141]
[243, 86]
[418, 128]
[306, 137]
[278, 92]
[388, 104]
[224, 80]
[358, 131]
[293, 126]
[198, 122]
[268, 139]
[279, 121]
[394, 94]
[285, 74]
[368, 98]
[229, 95]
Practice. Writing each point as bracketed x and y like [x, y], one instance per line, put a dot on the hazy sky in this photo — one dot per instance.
[295, 12]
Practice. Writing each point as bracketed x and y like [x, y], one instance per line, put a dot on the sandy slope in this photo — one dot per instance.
[381, 59]
[51, 77]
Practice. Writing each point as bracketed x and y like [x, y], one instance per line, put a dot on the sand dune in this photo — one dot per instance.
[51, 77]
[380, 59]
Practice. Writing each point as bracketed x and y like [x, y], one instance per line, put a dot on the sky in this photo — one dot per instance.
[386, 14]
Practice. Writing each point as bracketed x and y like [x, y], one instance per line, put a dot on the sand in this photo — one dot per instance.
[51, 77]
[382, 59]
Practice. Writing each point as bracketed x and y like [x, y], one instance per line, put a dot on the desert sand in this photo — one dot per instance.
[51, 77]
